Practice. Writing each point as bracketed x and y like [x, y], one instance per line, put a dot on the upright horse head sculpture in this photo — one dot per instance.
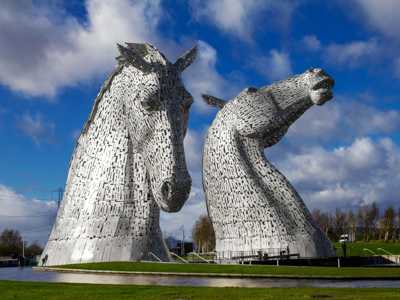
[128, 163]
[252, 206]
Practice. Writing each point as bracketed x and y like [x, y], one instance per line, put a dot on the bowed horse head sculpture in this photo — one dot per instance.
[268, 112]
[128, 163]
[252, 206]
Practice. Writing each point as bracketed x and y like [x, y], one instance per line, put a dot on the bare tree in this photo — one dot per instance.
[203, 234]
[339, 223]
[397, 235]
[388, 222]
[373, 218]
[367, 219]
[323, 220]
[352, 225]
[363, 221]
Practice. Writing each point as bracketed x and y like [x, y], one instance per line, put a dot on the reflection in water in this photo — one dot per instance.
[27, 274]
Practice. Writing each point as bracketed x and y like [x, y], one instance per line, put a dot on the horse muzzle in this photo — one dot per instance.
[174, 193]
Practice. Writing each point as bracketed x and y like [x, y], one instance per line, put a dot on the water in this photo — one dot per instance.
[27, 274]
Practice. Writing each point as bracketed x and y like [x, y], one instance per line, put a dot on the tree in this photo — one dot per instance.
[363, 221]
[339, 223]
[397, 234]
[373, 218]
[33, 249]
[388, 223]
[10, 243]
[322, 220]
[352, 224]
[203, 234]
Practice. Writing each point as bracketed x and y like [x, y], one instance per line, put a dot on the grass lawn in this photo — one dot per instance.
[63, 291]
[356, 248]
[242, 269]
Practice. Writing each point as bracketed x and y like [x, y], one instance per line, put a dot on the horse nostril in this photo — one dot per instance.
[166, 189]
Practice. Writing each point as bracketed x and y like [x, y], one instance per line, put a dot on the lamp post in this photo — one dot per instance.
[183, 241]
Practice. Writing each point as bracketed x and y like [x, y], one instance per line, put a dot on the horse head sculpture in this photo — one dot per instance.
[157, 106]
[252, 206]
[128, 163]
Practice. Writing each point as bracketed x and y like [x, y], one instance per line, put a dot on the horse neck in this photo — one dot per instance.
[284, 196]
[246, 157]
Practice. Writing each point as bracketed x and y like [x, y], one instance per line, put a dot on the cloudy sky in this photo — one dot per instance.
[54, 56]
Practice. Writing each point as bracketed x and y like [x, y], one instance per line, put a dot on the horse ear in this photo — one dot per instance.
[128, 55]
[140, 49]
[186, 59]
[214, 101]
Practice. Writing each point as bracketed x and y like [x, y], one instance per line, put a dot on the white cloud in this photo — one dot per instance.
[383, 18]
[343, 119]
[311, 42]
[202, 77]
[64, 52]
[275, 66]
[32, 217]
[36, 128]
[194, 149]
[41, 53]
[353, 53]
[239, 17]
[382, 15]
[363, 172]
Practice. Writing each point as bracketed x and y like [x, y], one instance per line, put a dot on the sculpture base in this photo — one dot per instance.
[62, 252]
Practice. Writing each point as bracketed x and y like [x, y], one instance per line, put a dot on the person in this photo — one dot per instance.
[344, 249]
[44, 260]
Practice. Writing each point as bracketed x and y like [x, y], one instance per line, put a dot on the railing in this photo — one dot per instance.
[256, 254]
[155, 256]
[200, 257]
[383, 250]
[369, 250]
[180, 258]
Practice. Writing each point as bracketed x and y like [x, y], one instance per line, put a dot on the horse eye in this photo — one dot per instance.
[187, 100]
[184, 108]
[151, 103]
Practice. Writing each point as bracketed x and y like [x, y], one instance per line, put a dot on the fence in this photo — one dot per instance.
[254, 255]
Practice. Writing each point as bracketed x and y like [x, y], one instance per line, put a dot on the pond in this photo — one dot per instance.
[27, 274]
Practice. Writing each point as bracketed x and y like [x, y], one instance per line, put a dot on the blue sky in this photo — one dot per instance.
[54, 56]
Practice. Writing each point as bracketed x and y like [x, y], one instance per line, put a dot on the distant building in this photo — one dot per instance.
[7, 261]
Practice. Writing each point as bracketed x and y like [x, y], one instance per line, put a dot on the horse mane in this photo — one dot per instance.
[106, 85]
[143, 50]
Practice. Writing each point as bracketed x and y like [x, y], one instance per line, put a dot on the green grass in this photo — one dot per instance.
[356, 248]
[67, 291]
[242, 269]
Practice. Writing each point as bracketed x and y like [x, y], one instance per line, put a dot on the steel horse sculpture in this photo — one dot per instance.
[128, 163]
[253, 207]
